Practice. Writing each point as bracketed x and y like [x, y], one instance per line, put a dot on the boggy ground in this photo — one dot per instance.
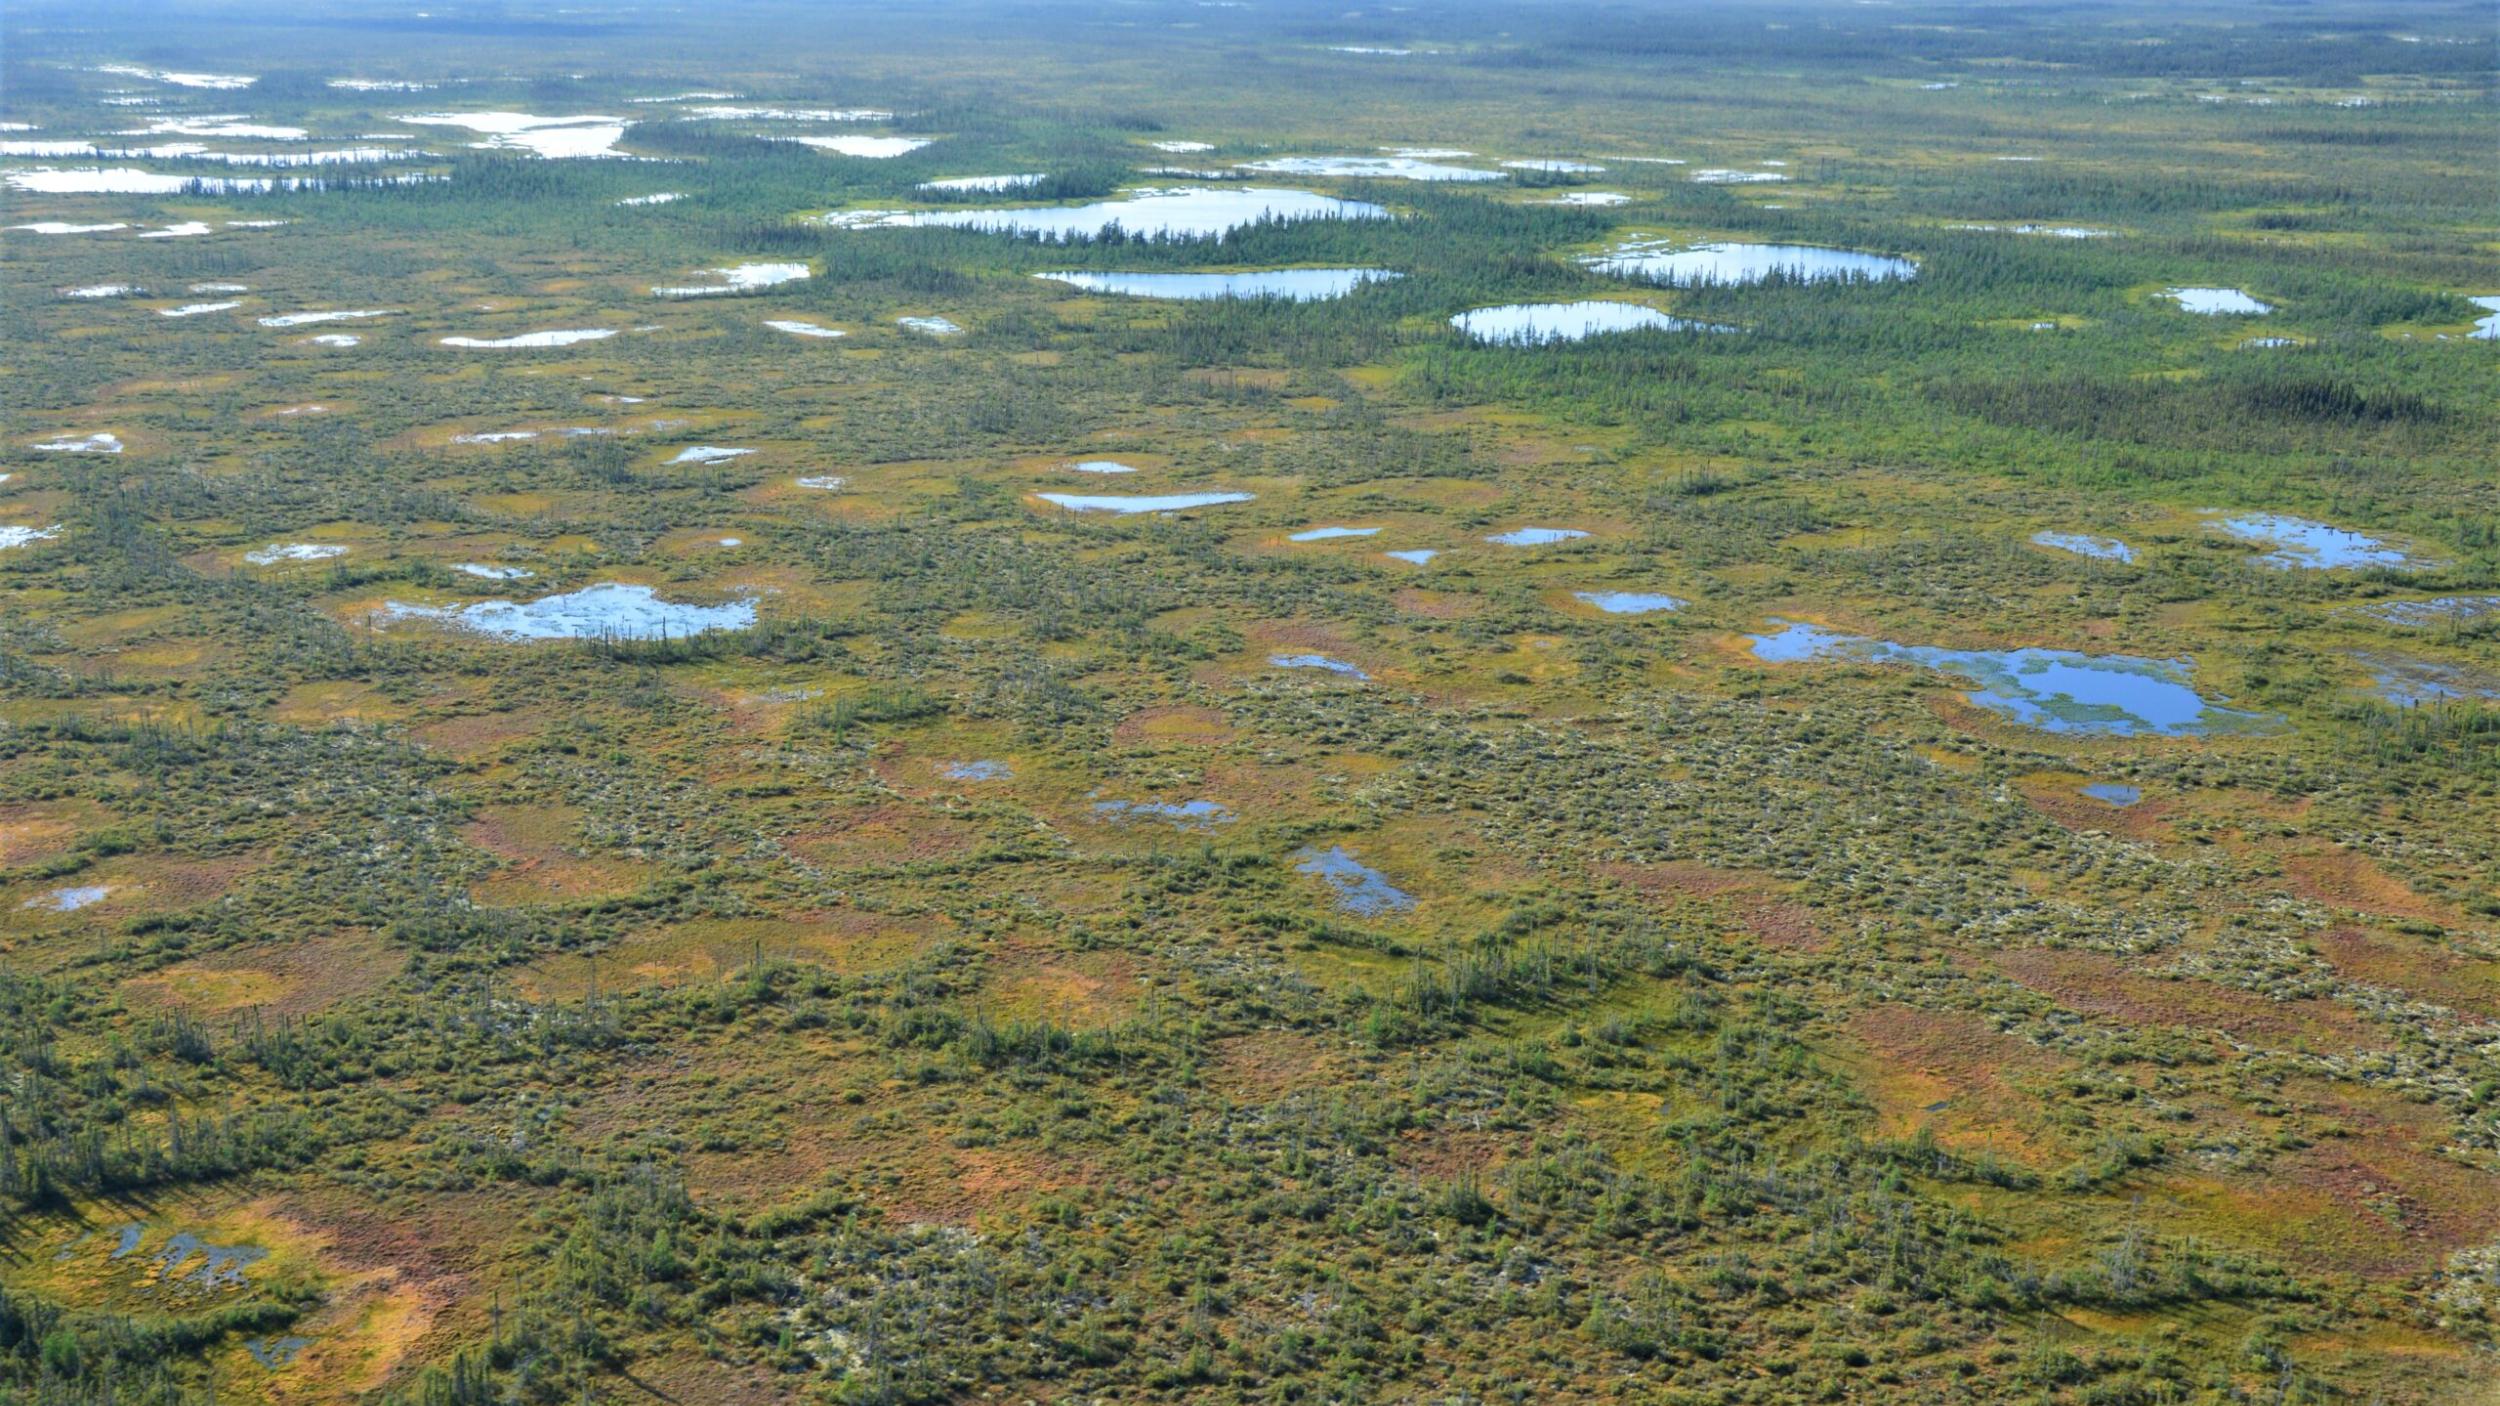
[1515, 1000]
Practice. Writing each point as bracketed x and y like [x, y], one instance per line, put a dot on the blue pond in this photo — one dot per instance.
[2423, 614]
[2084, 545]
[1628, 602]
[2410, 683]
[2301, 544]
[1737, 263]
[1531, 324]
[274, 1353]
[975, 771]
[68, 900]
[1331, 534]
[2113, 793]
[2052, 689]
[613, 612]
[1316, 661]
[1189, 815]
[1295, 285]
[1534, 536]
[1361, 889]
[1416, 556]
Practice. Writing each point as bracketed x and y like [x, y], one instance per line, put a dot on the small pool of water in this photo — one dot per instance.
[1732, 262]
[1017, 181]
[798, 328]
[277, 552]
[2085, 545]
[2299, 544]
[1361, 889]
[2410, 683]
[930, 326]
[274, 1353]
[564, 337]
[1140, 503]
[2444, 610]
[1392, 168]
[2054, 690]
[975, 771]
[1535, 536]
[1316, 661]
[608, 611]
[21, 535]
[1332, 534]
[1629, 602]
[2486, 329]
[485, 572]
[1101, 466]
[1296, 285]
[1531, 324]
[1185, 212]
[2113, 793]
[68, 900]
[2218, 302]
[1188, 815]
[101, 442]
[708, 454]
[738, 278]
[1416, 556]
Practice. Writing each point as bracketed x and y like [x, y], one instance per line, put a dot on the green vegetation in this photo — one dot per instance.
[772, 991]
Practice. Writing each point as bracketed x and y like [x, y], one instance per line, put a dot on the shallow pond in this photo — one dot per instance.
[1535, 536]
[1628, 602]
[483, 571]
[2085, 545]
[975, 771]
[1101, 466]
[797, 328]
[1417, 556]
[2113, 793]
[708, 454]
[277, 552]
[1140, 503]
[930, 326]
[101, 442]
[868, 148]
[2409, 683]
[2486, 329]
[1332, 534]
[608, 611]
[2423, 614]
[1190, 212]
[2052, 689]
[18, 535]
[274, 1353]
[2217, 302]
[562, 338]
[553, 137]
[1361, 889]
[1397, 168]
[68, 900]
[1188, 815]
[219, 1267]
[1529, 324]
[738, 278]
[1317, 661]
[2304, 545]
[985, 183]
[1297, 285]
[307, 319]
[1730, 262]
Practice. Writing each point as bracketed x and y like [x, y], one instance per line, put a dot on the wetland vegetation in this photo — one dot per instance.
[1766, 704]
